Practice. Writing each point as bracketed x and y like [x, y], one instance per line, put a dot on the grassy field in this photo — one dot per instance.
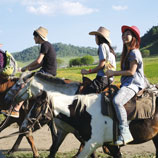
[150, 70]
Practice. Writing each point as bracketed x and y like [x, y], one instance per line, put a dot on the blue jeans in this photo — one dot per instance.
[120, 99]
[44, 72]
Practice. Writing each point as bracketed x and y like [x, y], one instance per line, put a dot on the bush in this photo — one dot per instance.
[87, 60]
[145, 53]
[75, 62]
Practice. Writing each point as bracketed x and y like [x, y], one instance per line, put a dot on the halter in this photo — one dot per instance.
[43, 112]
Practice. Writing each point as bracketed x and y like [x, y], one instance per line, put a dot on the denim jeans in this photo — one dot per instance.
[120, 99]
[44, 72]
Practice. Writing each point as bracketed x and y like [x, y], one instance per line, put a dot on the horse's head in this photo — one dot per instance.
[20, 91]
[39, 115]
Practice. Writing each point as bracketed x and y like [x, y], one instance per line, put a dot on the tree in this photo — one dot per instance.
[145, 53]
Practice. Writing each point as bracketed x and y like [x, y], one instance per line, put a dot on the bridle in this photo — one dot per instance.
[44, 112]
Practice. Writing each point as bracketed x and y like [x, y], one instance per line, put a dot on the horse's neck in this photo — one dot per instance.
[60, 102]
[69, 89]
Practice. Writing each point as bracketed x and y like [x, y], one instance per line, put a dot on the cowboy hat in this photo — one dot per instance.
[134, 29]
[42, 32]
[102, 31]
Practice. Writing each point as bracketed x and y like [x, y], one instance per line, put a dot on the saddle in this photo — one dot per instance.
[141, 106]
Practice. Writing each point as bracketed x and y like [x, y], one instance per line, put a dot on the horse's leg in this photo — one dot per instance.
[57, 140]
[81, 146]
[16, 144]
[88, 149]
[112, 150]
[30, 139]
[155, 141]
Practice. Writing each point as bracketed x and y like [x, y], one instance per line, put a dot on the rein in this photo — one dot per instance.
[42, 113]
[14, 134]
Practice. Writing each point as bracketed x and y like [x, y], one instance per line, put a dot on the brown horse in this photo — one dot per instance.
[4, 87]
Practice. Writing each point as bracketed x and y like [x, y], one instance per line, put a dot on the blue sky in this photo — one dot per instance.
[70, 21]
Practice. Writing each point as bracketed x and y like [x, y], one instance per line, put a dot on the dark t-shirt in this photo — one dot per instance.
[49, 61]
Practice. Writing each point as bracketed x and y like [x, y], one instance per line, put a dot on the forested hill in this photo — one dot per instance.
[150, 41]
[62, 50]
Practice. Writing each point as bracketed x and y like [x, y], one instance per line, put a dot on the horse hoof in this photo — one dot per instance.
[10, 152]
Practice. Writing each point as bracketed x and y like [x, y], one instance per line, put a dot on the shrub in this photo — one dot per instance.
[87, 60]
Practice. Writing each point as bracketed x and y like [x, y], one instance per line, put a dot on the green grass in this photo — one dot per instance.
[150, 70]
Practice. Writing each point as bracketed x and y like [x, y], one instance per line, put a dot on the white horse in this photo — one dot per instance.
[93, 131]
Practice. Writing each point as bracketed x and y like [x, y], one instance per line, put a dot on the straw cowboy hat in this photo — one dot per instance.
[102, 31]
[42, 32]
[134, 29]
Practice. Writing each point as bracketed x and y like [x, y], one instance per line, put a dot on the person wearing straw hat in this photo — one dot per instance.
[132, 79]
[46, 60]
[47, 56]
[106, 61]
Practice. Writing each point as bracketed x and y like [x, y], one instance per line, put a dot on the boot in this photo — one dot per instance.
[125, 136]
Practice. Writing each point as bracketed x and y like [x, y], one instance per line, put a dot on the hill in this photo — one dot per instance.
[62, 50]
[150, 41]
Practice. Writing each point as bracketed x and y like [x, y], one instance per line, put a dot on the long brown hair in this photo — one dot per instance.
[133, 45]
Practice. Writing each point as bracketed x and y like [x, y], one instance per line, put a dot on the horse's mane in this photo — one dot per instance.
[53, 79]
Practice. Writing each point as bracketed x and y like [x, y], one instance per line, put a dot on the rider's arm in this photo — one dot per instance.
[35, 64]
[130, 72]
[94, 70]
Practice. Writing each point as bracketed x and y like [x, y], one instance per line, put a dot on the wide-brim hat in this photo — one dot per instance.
[102, 31]
[134, 29]
[42, 32]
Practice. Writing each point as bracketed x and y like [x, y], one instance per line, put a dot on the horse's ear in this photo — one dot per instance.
[44, 95]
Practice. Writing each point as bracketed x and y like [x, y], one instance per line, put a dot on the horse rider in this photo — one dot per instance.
[46, 61]
[106, 61]
[132, 79]
[8, 67]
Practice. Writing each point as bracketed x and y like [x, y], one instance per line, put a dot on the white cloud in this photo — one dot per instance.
[52, 7]
[76, 8]
[119, 7]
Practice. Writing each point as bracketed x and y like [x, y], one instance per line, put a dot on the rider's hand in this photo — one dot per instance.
[109, 73]
[23, 69]
[84, 72]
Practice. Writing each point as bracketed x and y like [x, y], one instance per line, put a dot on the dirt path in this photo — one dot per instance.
[43, 142]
